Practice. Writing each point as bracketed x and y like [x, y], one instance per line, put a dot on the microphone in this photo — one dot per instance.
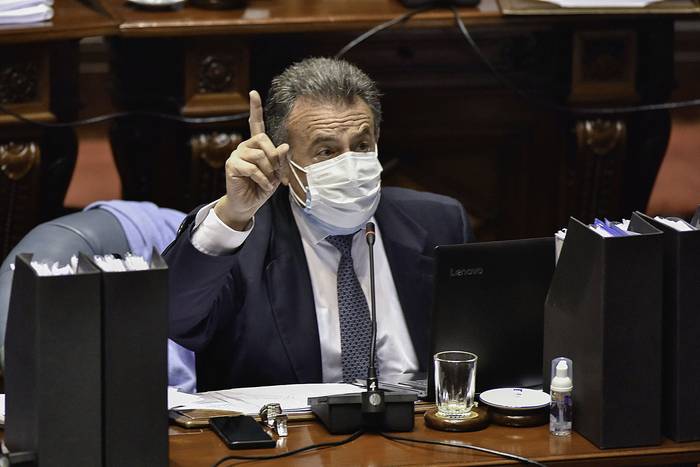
[372, 409]
[369, 236]
[373, 399]
[372, 381]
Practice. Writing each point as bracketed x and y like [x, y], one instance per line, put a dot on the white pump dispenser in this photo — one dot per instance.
[561, 406]
[562, 381]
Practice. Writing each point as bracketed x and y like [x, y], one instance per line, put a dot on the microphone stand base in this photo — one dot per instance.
[343, 413]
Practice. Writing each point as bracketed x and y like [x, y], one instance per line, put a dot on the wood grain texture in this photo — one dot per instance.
[72, 20]
[272, 16]
[537, 7]
[203, 448]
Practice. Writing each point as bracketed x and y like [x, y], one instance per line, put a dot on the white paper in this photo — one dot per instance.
[600, 231]
[559, 238]
[135, 263]
[33, 14]
[130, 262]
[178, 399]
[292, 397]
[677, 224]
[109, 263]
[625, 225]
[6, 5]
[602, 3]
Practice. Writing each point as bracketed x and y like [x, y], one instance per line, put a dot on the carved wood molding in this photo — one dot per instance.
[216, 77]
[18, 159]
[18, 82]
[214, 148]
[601, 137]
[596, 179]
[217, 73]
[209, 152]
[604, 66]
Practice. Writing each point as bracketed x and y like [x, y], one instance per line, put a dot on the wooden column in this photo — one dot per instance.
[174, 164]
[38, 81]
[616, 157]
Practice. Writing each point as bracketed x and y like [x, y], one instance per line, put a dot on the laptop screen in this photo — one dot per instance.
[489, 300]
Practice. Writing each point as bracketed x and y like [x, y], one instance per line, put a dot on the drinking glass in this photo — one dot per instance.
[455, 383]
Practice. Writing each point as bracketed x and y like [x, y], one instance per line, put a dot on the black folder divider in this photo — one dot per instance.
[135, 366]
[681, 333]
[52, 366]
[603, 311]
[86, 366]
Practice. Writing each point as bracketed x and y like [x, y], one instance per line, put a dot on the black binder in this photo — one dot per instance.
[603, 311]
[135, 366]
[52, 366]
[681, 333]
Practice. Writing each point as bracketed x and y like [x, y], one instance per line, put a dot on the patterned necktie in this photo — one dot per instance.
[355, 323]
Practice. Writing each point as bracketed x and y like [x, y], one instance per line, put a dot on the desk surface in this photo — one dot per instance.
[270, 16]
[273, 16]
[194, 448]
[72, 20]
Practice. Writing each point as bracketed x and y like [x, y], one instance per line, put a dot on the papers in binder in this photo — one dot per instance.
[601, 3]
[607, 228]
[675, 223]
[112, 263]
[55, 269]
[107, 263]
[604, 228]
[558, 243]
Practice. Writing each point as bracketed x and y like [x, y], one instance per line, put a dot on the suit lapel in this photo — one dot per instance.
[290, 292]
[405, 242]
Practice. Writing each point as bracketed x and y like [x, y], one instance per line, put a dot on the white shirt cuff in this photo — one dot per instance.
[212, 237]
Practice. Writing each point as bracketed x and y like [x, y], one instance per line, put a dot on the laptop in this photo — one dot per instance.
[489, 300]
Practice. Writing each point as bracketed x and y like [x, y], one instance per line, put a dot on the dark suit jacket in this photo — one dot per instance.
[250, 316]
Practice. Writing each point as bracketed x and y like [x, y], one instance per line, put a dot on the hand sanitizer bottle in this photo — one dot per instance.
[561, 406]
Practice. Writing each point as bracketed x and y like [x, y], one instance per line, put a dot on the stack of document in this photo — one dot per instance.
[107, 263]
[25, 11]
[606, 228]
[292, 397]
[675, 223]
[602, 3]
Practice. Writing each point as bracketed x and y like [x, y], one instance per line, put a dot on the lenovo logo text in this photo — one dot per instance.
[464, 272]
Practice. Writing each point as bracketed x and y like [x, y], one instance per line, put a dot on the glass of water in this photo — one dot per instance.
[455, 383]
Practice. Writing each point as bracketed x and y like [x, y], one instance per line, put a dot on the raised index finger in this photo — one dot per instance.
[255, 120]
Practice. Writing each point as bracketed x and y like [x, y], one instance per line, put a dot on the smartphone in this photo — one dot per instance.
[241, 432]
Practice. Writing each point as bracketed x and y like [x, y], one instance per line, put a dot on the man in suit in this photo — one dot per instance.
[269, 283]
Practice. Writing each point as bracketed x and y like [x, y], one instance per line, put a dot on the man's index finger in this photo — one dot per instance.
[255, 120]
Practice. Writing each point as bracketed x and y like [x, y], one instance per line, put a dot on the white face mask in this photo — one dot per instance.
[343, 192]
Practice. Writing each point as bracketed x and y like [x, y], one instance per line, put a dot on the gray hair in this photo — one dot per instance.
[321, 79]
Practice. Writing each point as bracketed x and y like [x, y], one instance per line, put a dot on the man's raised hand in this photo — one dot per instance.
[253, 171]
